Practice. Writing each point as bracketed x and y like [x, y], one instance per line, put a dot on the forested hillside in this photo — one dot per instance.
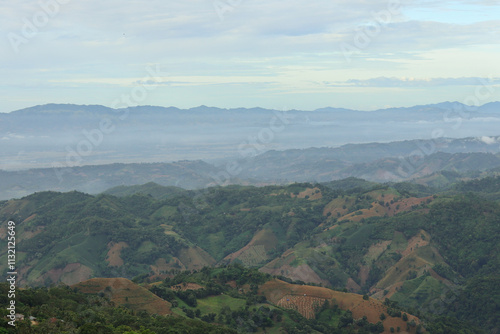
[228, 299]
[432, 254]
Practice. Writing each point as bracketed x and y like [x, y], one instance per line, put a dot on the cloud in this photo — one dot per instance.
[286, 47]
[416, 82]
[489, 140]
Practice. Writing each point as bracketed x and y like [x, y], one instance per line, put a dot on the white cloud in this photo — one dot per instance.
[489, 140]
[286, 47]
[417, 82]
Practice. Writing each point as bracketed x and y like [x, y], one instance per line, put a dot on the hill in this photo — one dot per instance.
[287, 306]
[123, 292]
[422, 161]
[428, 253]
[41, 136]
[151, 188]
[99, 178]
[62, 309]
[227, 299]
[307, 300]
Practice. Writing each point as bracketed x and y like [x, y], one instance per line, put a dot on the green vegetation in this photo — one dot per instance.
[62, 310]
[437, 256]
[153, 189]
[215, 308]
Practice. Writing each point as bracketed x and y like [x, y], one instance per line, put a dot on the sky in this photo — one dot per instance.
[296, 54]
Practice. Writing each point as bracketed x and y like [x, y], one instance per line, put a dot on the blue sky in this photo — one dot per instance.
[293, 54]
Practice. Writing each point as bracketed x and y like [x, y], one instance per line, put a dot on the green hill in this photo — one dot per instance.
[430, 254]
[155, 190]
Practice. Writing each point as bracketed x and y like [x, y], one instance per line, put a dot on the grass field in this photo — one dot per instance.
[216, 303]
[212, 304]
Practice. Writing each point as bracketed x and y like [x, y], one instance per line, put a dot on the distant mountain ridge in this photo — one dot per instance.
[45, 135]
[65, 107]
[96, 179]
[153, 189]
[378, 162]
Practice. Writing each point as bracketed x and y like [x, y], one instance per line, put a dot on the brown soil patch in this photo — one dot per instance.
[14, 207]
[335, 207]
[160, 267]
[381, 196]
[313, 193]
[352, 286]
[302, 272]
[284, 260]
[277, 291]
[255, 252]
[30, 218]
[305, 305]
[30, 234]
[416, 241]
[379, 293]
[3, 232]
[113, 257]
[331, 228]
[186, 286]
[71, 274]
[376, 250]
[406, 204]
[124, 292]
[363, 273]
[195, 258]
[365, 213]
[378, 210]
[400, 271]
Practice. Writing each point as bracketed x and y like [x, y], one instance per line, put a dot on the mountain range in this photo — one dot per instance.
[56, 135]
[432, 254]
[253, 220]
[378, 162]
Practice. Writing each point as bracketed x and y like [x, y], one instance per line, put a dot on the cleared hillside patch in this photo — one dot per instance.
[113, 257]
[124, 292]
[195, 258]
[305, 305]
[255, 252]
[288, 295]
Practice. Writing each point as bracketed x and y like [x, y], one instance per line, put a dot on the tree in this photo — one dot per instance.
[346, 319]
